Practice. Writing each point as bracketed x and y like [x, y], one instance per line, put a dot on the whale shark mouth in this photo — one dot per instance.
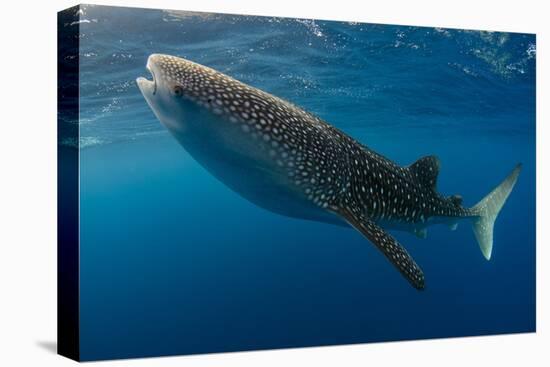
[145, 81]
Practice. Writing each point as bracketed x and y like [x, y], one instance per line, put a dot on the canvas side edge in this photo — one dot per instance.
[68, 315]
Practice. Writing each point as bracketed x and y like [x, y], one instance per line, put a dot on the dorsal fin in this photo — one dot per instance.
[456, 199]
[425, 171]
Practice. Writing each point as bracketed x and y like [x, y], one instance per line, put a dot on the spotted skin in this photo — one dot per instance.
[291, 162]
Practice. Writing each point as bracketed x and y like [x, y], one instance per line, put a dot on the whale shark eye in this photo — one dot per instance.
[178, 90]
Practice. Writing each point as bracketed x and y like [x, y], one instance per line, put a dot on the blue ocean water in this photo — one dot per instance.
[173, 262]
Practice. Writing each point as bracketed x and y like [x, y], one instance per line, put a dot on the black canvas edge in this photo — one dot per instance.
[68, 284]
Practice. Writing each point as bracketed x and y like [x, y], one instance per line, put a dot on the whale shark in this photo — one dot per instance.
[291, 162]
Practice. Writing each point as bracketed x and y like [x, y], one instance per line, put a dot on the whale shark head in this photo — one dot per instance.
[200, 105]
[182, 93]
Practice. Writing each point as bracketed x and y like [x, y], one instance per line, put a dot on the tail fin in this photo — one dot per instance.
[487, 211]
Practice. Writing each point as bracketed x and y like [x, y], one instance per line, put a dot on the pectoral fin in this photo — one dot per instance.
[393, 251]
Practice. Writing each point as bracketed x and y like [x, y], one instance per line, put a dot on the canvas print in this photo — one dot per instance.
[231, 182]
